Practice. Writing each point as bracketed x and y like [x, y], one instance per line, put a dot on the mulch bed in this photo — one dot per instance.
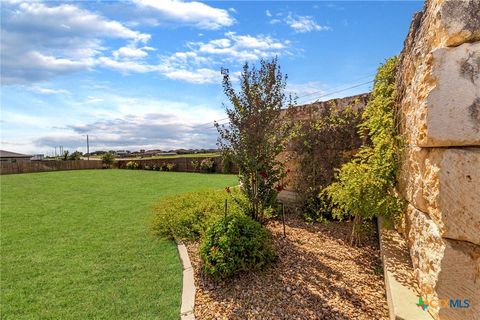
[318, 276]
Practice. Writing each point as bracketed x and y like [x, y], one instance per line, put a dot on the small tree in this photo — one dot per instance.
[65, 155]
[257, 133]
[108, 159]
[75, 155]
[365, 186]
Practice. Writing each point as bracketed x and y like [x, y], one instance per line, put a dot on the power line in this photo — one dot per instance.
[312, 93]
[306, 95]
[345, 89]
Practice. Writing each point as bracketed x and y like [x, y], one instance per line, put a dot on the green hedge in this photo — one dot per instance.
[187, 216]
[235, 244]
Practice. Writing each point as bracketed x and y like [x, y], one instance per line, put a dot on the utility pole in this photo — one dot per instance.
[88, 149]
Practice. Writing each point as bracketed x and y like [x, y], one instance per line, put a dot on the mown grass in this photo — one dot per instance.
[77, 244]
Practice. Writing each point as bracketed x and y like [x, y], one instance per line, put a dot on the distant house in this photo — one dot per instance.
[122, 153]
[37, 157]
[12, 157]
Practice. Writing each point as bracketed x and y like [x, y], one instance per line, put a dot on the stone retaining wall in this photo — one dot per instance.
[439, 115]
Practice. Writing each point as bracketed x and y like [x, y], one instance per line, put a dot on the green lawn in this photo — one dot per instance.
[77, 244]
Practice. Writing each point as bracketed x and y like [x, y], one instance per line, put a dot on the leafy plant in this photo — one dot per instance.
[235, 243]
[108, 159]
[364, 187]
[163, 166]
[147, 167]
[207, 165]
[195, 164]
[321, 142]
[170, 166]
[132, 165]
[227, 162]
[256, 132]
[77, 155]
[187, 217]
[65, 155]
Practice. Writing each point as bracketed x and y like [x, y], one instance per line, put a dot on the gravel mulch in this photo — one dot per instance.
[318, 276]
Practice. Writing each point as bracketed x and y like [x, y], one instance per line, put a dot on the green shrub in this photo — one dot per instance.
[170, 166]
[163, 166]
[227, 163]
[365, 186]
[187, 217]
[147, 167]
[108, 159]
[235, 244]
[77, 155]
[208, 165]
[195, 164]
[156, 168]
[132, 165]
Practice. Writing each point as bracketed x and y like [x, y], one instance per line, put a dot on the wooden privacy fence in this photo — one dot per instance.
[181, 164]
[48, 165]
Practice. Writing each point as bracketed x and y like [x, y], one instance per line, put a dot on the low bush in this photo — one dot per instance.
[227, 163]
[147, 167]
[108, 159]
[131, 165]
[208, 165]
[163, 166]
[233, 244]
[170, 166]
[187, 217]
[195, 165]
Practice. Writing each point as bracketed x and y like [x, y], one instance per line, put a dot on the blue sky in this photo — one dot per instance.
[145, 74]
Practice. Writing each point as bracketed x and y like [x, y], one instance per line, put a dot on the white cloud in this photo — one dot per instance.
[268, 13]
[200, 76]
[43, 90]
[41, 41]
[130, 53]
[158, 124]
[203, 62]
[192, 13]
[125, 66]
[236, 47]
[302, 24]
[312, 88]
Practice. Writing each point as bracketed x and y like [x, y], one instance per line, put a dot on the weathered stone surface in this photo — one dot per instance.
[438, 97]
[451, 121]
[445, 183]
[443, 107]
[453, 106]
[412, 168]
[445, 269]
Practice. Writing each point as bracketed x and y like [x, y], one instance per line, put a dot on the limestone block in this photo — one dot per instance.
[445, 269]
[440, 53]
[445, 183]
[453, 106]
[459, 21]
[442, 106]
[410, 182]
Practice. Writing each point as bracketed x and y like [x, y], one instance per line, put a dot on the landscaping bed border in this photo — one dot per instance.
[188, 284]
